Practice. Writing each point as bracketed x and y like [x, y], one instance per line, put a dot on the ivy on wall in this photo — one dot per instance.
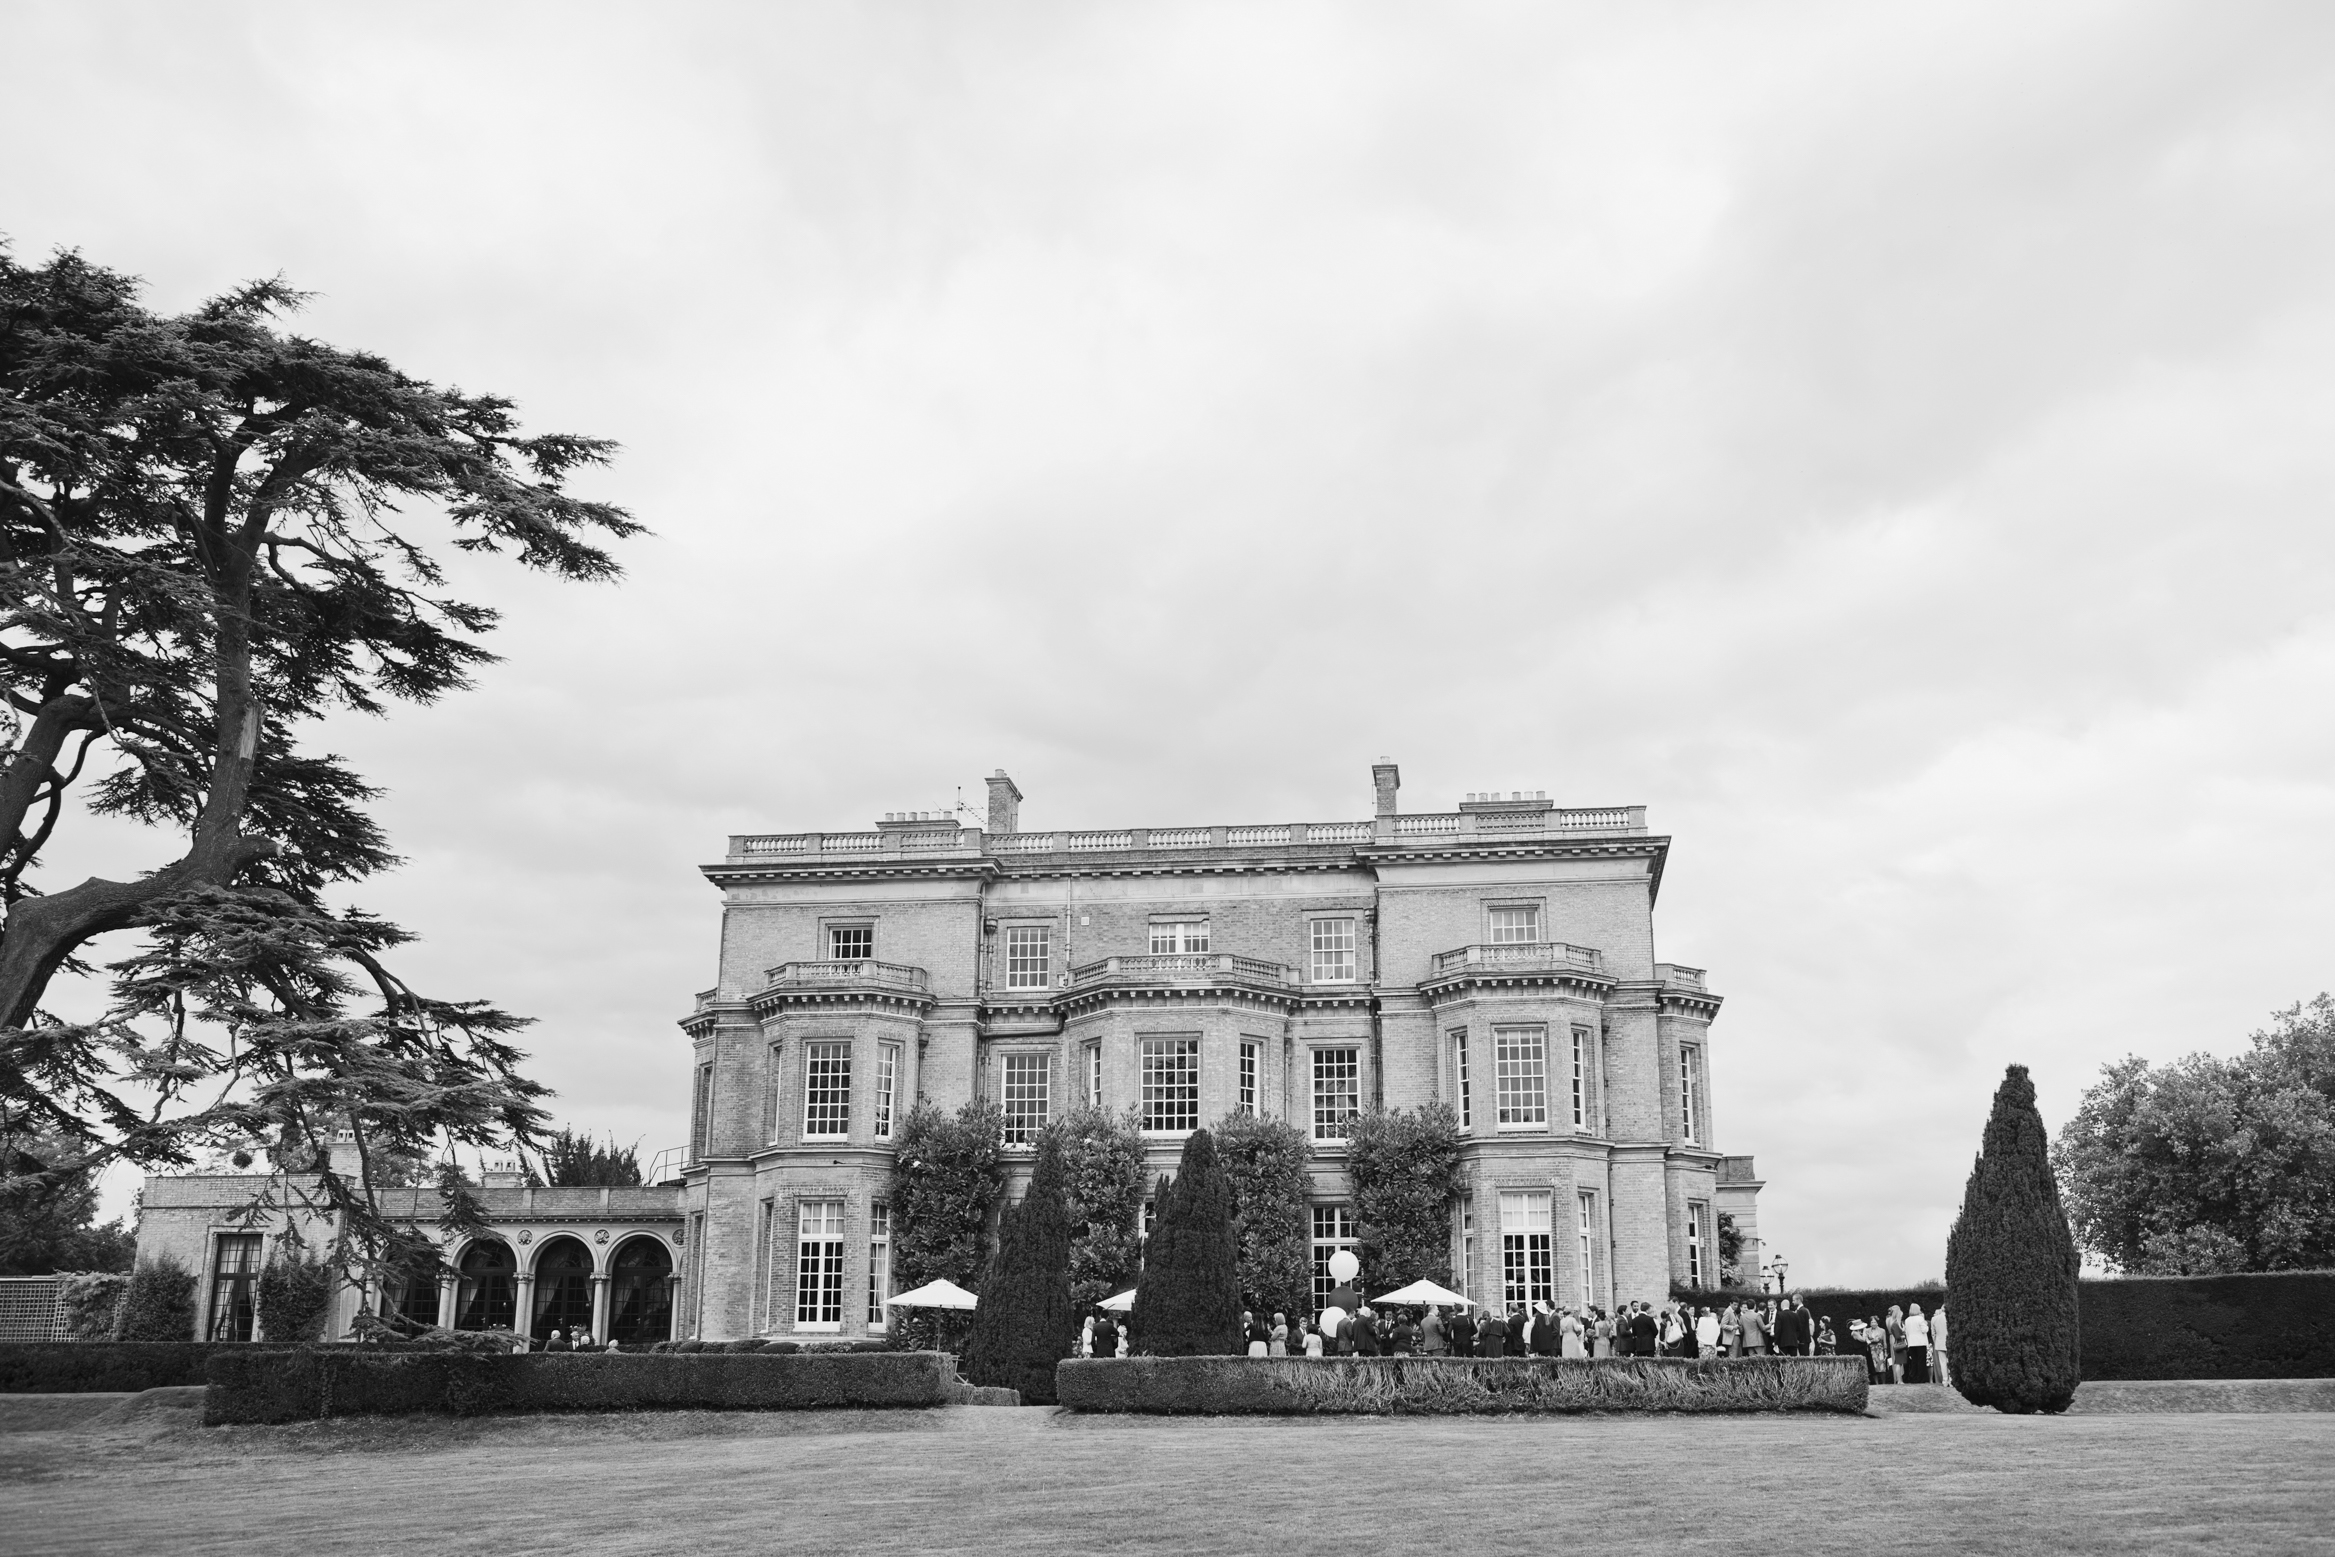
[1405, 1167]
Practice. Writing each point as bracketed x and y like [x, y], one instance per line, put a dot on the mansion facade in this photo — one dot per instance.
[1498, 958]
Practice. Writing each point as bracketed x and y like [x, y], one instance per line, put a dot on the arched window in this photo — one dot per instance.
[417, 1298]
[640, 1293]
[488, 1298]
[563, 1289]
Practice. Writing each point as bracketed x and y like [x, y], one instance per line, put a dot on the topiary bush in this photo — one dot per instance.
[1025, 1323]
[295, 1291]
[947, 1173]
[159, 1303]
[1265, 1160]
[2015, 1334]
[1405, 1168]
[1188, 1302]
[1102, 1184]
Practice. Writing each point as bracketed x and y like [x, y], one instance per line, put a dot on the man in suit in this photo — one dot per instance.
[1792, 1332]
[1491, 1334]
[1461, 1328]
[1645, 1332]
[1106, 1336]
[1363, 1327]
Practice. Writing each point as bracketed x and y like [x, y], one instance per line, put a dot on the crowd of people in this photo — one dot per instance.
[1906, 1348]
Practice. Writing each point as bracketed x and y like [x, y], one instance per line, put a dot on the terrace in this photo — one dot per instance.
[1184, 969]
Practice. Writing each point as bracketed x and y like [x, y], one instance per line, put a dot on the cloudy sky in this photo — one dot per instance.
[1892, 443]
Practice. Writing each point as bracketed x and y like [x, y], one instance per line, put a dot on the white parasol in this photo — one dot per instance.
[935, 1294]
[1120, 1302]
[1422, 1292]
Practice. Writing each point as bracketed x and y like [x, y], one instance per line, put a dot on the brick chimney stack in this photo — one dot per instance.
[1385, 779]
[1005, 804]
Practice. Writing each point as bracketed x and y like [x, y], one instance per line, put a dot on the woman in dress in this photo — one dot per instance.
[1570, 1327]
[1601, 1335]
[1279, 1345]
[1313, 1339]
[1896, 1329]
[1917, 1346]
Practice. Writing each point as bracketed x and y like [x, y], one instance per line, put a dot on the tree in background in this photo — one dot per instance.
[1102, 1178]
[947, 1173]
[572, 1159]
[48, 1218]
[159, 1304]
[1188, 1301]
[212, 535]
[2207, 1166]
[1026, 1324]
[2011, 1268]
[1405, 1168]
[1265, 1162]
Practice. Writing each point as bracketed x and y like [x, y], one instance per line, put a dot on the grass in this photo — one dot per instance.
[1036, 1481]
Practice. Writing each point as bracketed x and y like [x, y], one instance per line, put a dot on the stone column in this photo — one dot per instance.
[599, 1309]
[449, 1288]
[673, 1307]
[523, 1306]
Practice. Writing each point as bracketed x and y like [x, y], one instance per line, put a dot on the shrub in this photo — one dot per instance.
[1102, 1184]
[253, 1385]
[1459, 1385]
[1265, 1159]
[2271, 1326]
[1405, 1168]
[1025, 1324]
[90, 1367]
[92, 1302]
[947, 1174]
[2014, 1333]
[295, 1291]
[1188, 1302]
[159, 1304]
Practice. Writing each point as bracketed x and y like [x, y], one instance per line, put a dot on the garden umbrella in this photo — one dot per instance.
[1120, 1303]
[935, 1294]
[1423, 1292]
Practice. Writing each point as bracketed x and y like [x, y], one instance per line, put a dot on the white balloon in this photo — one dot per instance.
[1332, 1317]
[1344, 1267]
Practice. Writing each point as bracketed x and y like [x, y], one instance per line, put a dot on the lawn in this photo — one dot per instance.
[1032, 1481]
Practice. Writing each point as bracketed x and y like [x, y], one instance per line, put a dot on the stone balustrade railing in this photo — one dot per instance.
[1178, 966]
[1404, 830]
[1523, 957]
[1680, 976]
[861, 973]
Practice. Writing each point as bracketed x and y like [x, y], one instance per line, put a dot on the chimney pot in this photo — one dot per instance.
[1005, 804]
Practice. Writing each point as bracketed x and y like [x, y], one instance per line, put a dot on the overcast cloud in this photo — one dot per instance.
[1891, 443]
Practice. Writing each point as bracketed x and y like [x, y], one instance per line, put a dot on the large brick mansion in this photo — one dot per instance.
[1499, 958]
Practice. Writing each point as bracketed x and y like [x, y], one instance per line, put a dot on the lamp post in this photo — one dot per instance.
[1781, 1269]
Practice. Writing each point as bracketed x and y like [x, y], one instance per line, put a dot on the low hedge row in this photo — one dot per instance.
[1450, 1386]
[2276, 1325]
[88, 1367]
[776, 1348]
[249, 1386]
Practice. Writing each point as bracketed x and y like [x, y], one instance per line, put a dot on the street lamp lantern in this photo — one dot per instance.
[1781, 1269]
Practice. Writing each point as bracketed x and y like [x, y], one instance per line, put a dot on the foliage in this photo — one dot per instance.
[91, 1301]
[1730, 1252]
[573, 1159]
[2265, 1326]
[214, 534]
[1102, 1179]
[107, 1366]
[1188, 1300]
[947, 1173]
[2209, 1165]
[253, 1385]
[295, 1291]
[1025, 1324]
[159, 1304]
[1439, 1386]
[1405, 1169]
[1265, 1159]
[2011, 1265]
[48, 1212]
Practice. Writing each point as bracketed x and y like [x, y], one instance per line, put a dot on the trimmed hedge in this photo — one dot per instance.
[252, 1386]
[2274, 1325]
[90, 1367]
[1450, 1386]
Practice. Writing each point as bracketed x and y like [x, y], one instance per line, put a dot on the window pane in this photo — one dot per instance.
[1025, 957]
[1459, 1066]
[879, 1262]
[827, 1090]
[851, 943]
[819, 1265]
[887, 1081]
[1333, 1229]
[1248, 1079]
[1025, 1097]
[1333, 951]
[1180, 938]
[1171, 1084]
[1520, 1063]
[1094, 1075]
[1515, 924]
[1337, 1091]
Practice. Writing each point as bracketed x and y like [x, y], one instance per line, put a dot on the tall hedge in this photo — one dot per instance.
[947, 1173]
[2015, 1336]
[1265, 1159]
[1188, 1302]
[295, 1292]
[159, 1304]
[1405, 1168]
[1025, 1324]
[1102, 1186]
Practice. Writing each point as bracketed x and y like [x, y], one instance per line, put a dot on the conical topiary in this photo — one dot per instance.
[2011, 1268]
[1025, 1324]
[1188, 1301]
